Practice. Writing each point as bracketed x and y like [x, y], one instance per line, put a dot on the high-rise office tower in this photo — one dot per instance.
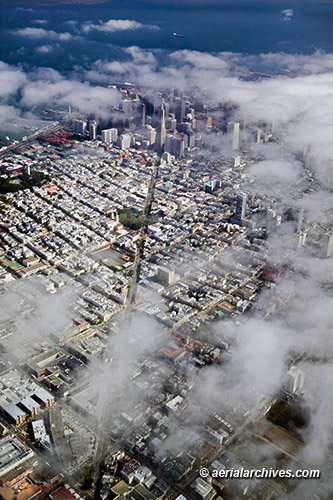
[92, 130]
[138, 113]
[166, 276]
[190, 139]
[300, 219]
[126, 106]
[241, 203]
[142, 114]
[150, 134]
[171, 123]
[294, 380]
[180, 110]
[233, 131]
[161, 131]
[176, 144]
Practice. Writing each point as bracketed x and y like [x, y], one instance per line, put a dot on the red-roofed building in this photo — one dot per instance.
[65, 493]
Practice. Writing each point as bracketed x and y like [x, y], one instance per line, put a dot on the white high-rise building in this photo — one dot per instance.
[125, 141]
[109, 135]
[150, 134]
[301, 238]
[166, 276]
[92, 130]
[294, 380]
[329, 247]
[80, 127]
[237, 161]
[233, 131]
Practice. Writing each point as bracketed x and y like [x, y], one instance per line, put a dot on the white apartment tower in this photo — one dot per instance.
[80, 127]
[109, 135]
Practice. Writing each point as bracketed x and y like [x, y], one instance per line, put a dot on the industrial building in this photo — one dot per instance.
[44, 397]
[14, 413]
[20, 397]
[13, 453]
[29, 405]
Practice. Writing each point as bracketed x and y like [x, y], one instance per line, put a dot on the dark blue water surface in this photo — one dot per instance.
[250, 27]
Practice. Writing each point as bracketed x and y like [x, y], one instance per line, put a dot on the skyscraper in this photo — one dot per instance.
[233, 132]
[150, 134]
[126, 106]
[180, 110]
[142, 114]
[294, 380]
[92, 130]
[171, 123]
[241, 203]
[80, 127]
[161, 130]
[176, 144]
[329, 243]
[300, 220]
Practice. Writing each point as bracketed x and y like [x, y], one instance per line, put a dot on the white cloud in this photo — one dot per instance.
[47, 49]
[39, 21]
[287, 14]
[281, 169]
[114, 25]
[81, 96]
[201, 60]
[11, 79]
[38, 33]
[8, 114]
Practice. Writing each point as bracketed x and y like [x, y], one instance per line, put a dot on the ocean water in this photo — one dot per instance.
[247, 27]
